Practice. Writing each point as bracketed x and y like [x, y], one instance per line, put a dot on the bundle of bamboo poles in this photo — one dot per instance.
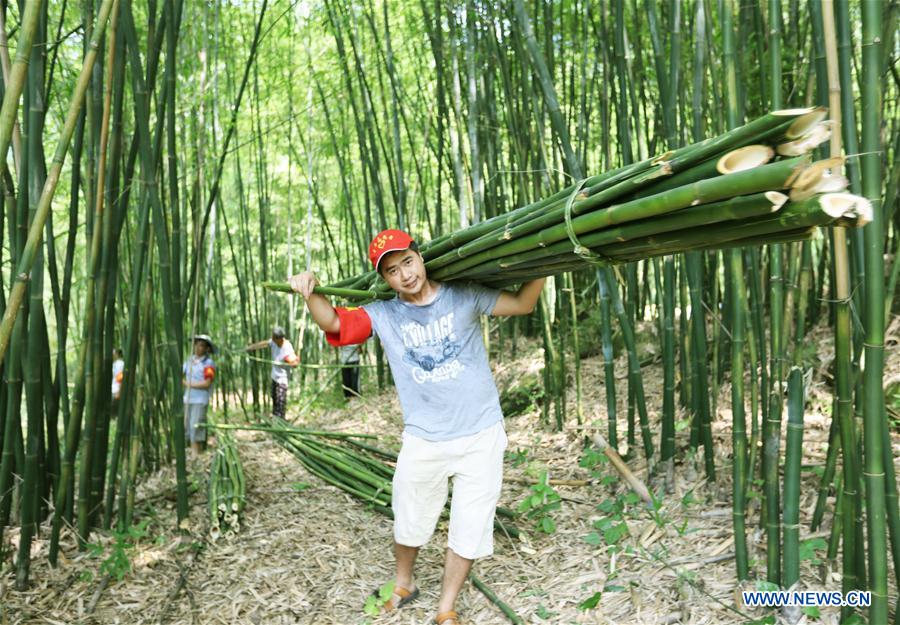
[226, 489]
[753, 185]
[364, 471]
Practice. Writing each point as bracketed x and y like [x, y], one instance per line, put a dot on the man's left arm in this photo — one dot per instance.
[521, 302]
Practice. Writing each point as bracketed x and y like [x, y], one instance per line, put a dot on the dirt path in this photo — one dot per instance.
[312, 555]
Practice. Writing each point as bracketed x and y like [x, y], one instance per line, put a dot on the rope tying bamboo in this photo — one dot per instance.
[585, 253]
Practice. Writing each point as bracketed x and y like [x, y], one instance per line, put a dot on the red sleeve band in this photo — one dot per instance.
[356, 327]
[209, 373]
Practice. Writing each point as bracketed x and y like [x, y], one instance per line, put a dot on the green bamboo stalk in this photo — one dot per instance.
[737, 208]
[850, 497]
[634, 364]
[284, 287]
[741, 464]
[873, 398]
[609, 374]
[173, 326]
[827, 483]
[819, 210]
[33, 171]
[560, 127]
[837, 524]
[115, 83]
[772, 423]
[700, 390]
[667, 437]
[802, 299]
[28, 26]
[487, 592]
[736, 298]
[137, 420]
[35, 231]
[792, 463]
[768, 177]
[287, 430]
[576, 346]
[93, 443]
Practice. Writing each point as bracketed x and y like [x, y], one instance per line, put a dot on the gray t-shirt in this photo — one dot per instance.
[438, 361]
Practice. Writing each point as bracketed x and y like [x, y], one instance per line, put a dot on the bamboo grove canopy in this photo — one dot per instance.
[753, 185]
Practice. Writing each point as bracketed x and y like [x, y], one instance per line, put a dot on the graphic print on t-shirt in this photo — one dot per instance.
[432, 349]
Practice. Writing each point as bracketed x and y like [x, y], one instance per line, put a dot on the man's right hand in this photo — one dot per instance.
[322, 311]
[304, 283]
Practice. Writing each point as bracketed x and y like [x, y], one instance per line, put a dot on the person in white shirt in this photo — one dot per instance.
[350, 371]
[284, 358]
[118, 372]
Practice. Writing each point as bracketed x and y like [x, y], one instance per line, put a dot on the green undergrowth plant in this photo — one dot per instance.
[117, 563]
[540, 503]
[374, 603]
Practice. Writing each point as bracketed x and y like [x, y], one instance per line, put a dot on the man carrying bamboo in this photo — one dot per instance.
[284, 358]
[453, 425]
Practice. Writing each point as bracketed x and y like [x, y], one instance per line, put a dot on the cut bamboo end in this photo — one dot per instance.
[747, 157]
[847, 205]
[796, 112]
[806, 119]
[662, 158]
[825, 184]
[622, 468]
[802, 164]
[777, 198]
[833, 184]
[663, 169]
[810, 177]
[818, 135]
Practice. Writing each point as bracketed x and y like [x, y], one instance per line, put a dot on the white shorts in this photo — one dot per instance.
[475, 464]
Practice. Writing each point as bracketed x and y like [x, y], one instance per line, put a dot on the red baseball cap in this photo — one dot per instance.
[388, 241]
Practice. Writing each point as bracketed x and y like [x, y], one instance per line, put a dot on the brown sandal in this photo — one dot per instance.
[450, 615]
[405, 597]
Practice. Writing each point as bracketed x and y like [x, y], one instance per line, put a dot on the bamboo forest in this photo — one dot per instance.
[450, 311]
